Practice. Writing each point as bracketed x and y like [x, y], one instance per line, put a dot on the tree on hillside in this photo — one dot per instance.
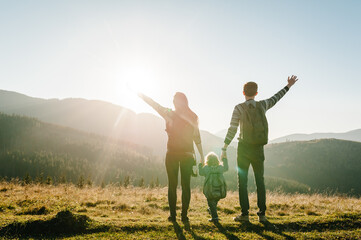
[157, 182]
[27, 179]
[81, 182]
[126, 181]
[151, 184]
[49, 180]
[89, 182]
[62, 179]
[141, 182]
[40, 179]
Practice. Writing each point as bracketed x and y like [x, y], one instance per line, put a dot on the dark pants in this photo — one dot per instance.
[213, 208]
[173, 162]
[251, 155]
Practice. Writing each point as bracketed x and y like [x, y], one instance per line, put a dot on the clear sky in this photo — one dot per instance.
[206, 49]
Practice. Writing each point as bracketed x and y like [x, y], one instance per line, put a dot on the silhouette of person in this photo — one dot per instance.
[251, 118]
[182, 130]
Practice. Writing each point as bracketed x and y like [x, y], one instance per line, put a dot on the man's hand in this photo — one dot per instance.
[292, 80]
[223, 154]
[224, 151]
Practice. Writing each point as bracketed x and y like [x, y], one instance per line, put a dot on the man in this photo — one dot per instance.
[250, 116]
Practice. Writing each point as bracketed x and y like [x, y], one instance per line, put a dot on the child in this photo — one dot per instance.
[214, 185]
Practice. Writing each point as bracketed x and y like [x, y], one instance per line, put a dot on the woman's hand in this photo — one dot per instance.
[141, 95]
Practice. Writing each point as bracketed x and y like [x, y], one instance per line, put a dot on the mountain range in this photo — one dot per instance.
[319, 164]
[118, 122]
[354, 135]
[98, 117]
[37, 149]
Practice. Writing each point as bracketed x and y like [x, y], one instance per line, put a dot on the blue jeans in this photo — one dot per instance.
[251, 155]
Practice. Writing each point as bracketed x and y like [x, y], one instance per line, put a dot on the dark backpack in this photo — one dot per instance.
[215, 186]
[255, 125]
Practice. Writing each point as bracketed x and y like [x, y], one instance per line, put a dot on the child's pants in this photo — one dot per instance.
[213, 208]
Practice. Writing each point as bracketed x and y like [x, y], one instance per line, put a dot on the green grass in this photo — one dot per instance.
[34, 211]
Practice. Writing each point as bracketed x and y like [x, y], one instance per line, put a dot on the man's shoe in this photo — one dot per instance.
[262, 218]
[241, 218]
[171, 219]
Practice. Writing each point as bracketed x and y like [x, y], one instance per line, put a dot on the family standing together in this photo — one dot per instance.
[182, 129]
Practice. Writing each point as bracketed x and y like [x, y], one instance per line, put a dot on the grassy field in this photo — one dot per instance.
[65, 211]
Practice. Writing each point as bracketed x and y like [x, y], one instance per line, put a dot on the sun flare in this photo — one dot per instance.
[134, 80]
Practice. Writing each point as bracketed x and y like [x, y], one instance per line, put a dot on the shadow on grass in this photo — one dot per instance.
[225, 232]
[179, 231]
[64, 224]
[268, 226]
[341, 222]
[189, 229]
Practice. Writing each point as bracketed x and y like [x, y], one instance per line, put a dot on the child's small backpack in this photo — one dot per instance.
[215, 186]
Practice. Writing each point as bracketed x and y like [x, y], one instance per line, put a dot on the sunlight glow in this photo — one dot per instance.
[135, 79]
[141, 80]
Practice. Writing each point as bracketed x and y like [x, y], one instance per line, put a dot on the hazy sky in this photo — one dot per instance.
[206, 49]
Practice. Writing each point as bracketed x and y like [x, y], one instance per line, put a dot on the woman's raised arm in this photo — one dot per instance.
[163, 111]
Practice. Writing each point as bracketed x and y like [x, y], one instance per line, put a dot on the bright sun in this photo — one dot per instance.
[133, 80]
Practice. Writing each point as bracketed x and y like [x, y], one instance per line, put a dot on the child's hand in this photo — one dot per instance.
[224, 154]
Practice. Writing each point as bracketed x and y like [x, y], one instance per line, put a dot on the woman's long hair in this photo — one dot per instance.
[180, 102]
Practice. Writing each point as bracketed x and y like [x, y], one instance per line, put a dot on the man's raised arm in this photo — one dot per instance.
[269, 103]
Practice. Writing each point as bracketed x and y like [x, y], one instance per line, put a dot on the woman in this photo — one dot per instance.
[182, 129]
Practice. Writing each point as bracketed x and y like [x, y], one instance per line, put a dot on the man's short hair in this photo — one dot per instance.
[250, 89]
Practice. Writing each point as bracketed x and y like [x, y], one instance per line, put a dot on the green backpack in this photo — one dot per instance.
[215, 186]
[255, 125]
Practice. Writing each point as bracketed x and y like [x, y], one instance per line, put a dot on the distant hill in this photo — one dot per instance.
[222, 133]
[37, 150]
[41, 149]
[28, 146]
[320, 164]
[325, 164]
[354, 135]
[98, 117]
